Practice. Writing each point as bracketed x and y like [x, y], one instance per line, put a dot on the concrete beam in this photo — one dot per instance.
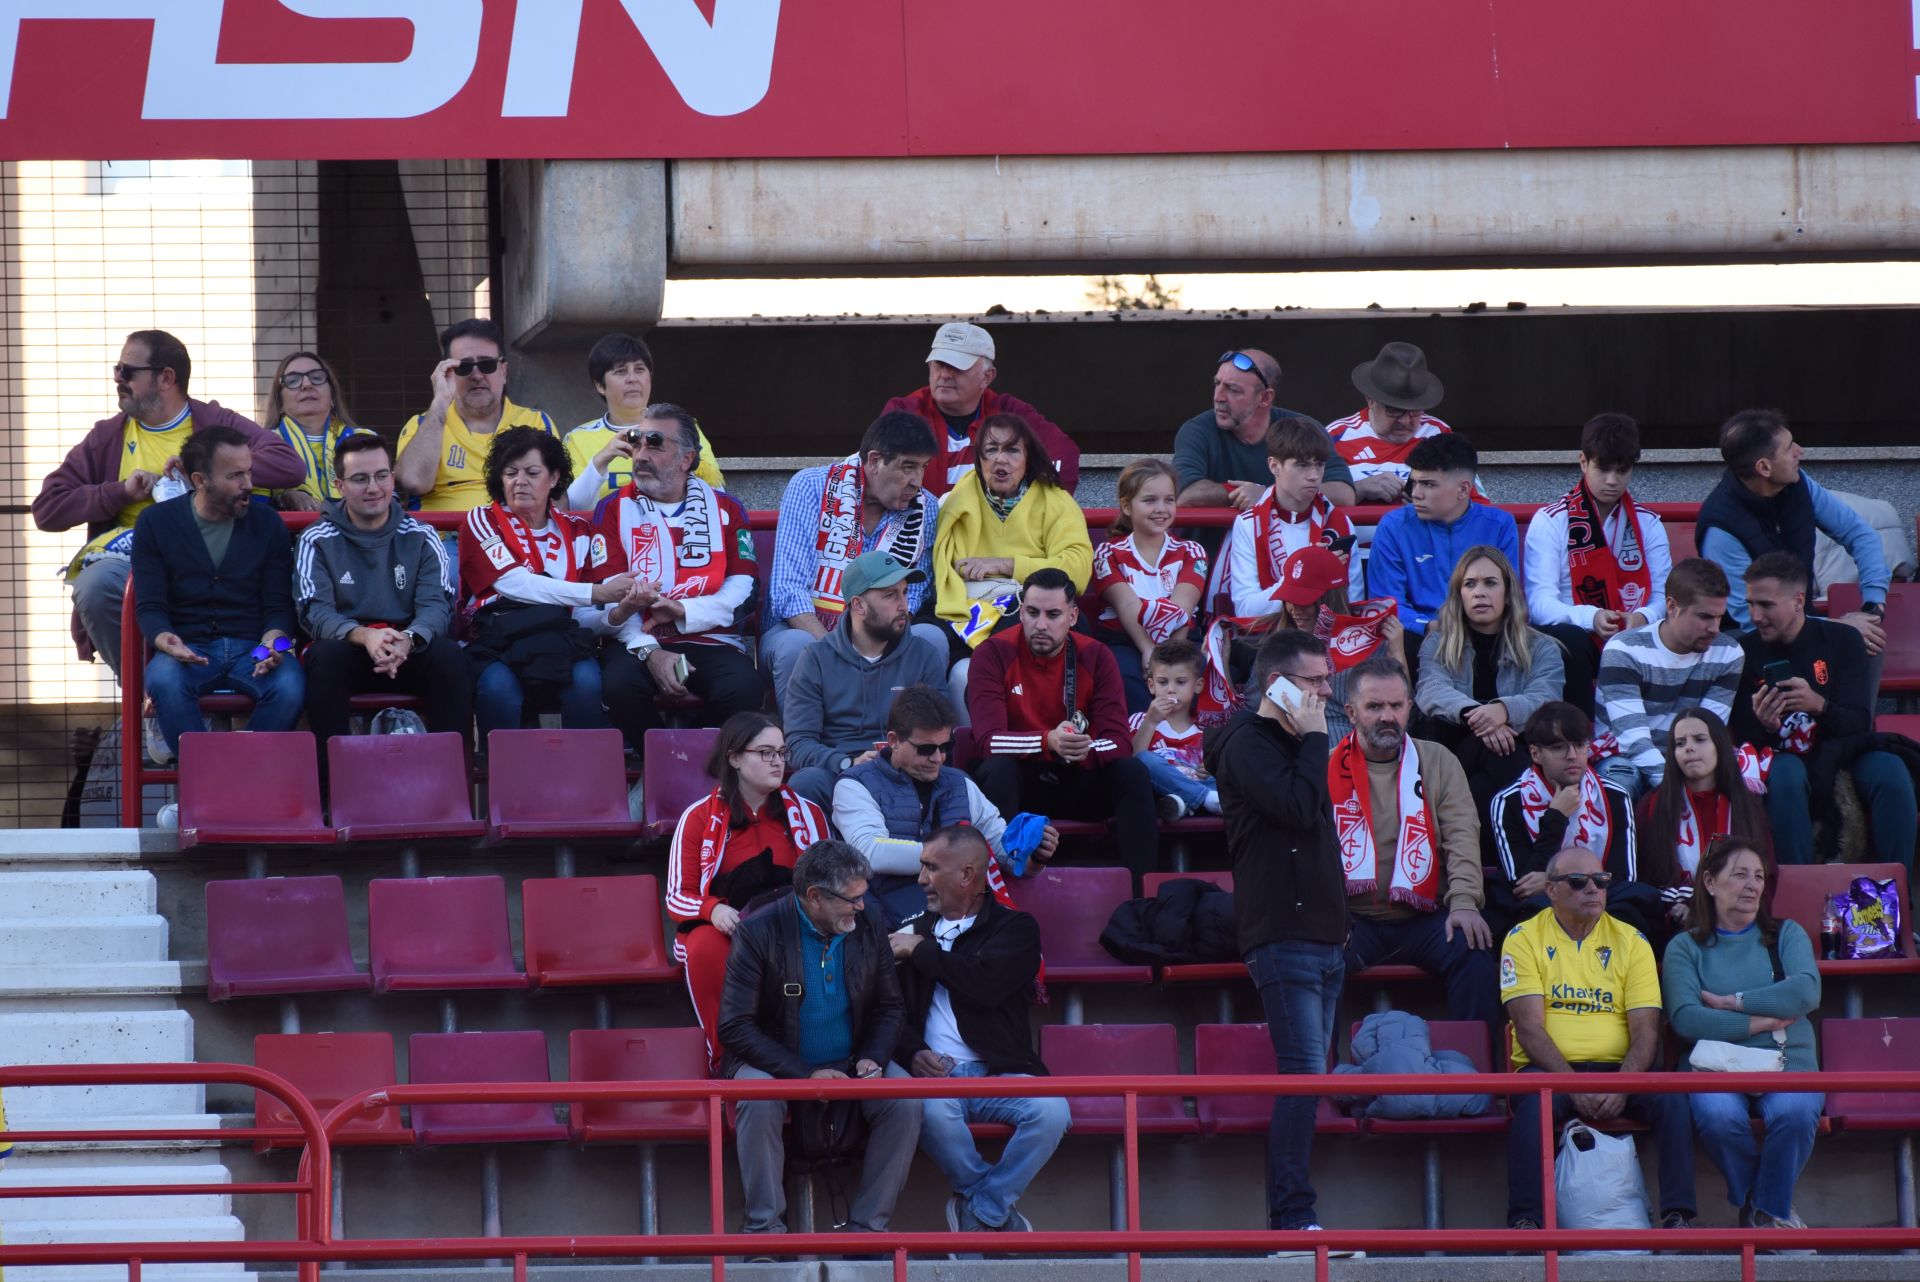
[586, 247]
[1137, 213]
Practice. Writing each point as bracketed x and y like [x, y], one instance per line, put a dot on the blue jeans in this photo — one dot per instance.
[1886, 794]
[1620, 771]
[1760, 1174]
[1171, 780]
[176, 687]
[1299, 985]
[498, 698]
[991, 1190]
[1665, 1114]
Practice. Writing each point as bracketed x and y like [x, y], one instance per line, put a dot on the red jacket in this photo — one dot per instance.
[1060, 446]
[1009, 724]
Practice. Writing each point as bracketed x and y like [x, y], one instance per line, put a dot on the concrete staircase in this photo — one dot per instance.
[84, 978]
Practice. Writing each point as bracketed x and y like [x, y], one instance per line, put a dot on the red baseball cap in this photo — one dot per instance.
[1308, 575]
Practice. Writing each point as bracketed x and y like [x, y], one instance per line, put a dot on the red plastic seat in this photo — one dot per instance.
[1681, 539]
[594, 930]
[1872, 1046]
[1800, 892]
[273, 935]
[1195, 972]
[1900, 667]
[1469, 1037]
[637, 1055]
[557, 785]
[1907, 724]
[253, 788]
[329, 1068]
[1245, 1050]
[673, 772]
[1118, 1050]
[401, 787]
[1072, 906]
[440, 933]
[481, 1057]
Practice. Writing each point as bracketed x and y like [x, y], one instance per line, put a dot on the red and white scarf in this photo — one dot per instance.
[1690, 844]
[1602, 576]
[1416, 860]
[1590, 828]
[693, 565]
[838, 541]
[1324, 522]
[1352, 638]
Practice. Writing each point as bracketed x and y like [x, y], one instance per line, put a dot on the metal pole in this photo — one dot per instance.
[289, 1015]
[1549, 1213]
[716, 1196]
[1076, 1006]
[1432, 1207]
[490, 1193]
[1132, 1175]
[449, 1019]
[256, 860]
[1856, 1001]
[339, 1183]
[649, 1197]
[1117, 1183]
[409, 861]
[563, 861]
[1224, 1014]
[1903, 1179]
[602, 1010]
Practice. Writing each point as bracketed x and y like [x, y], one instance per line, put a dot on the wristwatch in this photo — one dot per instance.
[416, 640]
[845, 764]
[1876, 608]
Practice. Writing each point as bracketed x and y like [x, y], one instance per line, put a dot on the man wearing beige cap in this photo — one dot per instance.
[1375, 442]
[959, 394]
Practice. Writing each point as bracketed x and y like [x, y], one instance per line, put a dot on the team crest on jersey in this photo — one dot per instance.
[644, 557]
[400, 578]
[1351, 640]
[743, 544]
[1605, 955]
[1820, 671]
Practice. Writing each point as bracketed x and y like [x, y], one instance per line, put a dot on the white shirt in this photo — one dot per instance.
[1549, 578]
[943, 1031]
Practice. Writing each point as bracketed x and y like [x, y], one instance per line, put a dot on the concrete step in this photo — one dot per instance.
[93, 980]
[195, 1228]
[99, 1037]
[53, 942]
[75, 848]
[104, 892]
[195, 1206]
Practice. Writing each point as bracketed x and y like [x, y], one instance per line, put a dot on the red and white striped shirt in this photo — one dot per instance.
[1367, 452]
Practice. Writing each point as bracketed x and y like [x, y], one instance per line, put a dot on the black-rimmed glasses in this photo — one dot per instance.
[295, 377]
[1579, 880]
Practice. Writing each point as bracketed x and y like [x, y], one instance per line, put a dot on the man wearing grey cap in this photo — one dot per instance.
[835, 710]
[1376, 441]
[960, 372]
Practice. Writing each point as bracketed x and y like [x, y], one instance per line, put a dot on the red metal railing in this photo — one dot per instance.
[316, 1243]
[135, 774]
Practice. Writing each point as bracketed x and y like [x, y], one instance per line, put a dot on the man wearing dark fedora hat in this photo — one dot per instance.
[1375, 442]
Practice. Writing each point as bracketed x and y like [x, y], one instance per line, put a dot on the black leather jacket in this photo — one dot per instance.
[760, 1004]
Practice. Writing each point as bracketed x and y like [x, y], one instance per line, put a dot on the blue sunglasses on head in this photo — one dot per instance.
[1242, 361]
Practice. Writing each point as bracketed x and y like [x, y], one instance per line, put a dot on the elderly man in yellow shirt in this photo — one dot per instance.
[1583, 992]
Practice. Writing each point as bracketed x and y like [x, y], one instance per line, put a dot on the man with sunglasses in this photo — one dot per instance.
[108, 479]
[443, 449]
[1583, 991]
[1220, 455]
[892, 802]
[1376, 441]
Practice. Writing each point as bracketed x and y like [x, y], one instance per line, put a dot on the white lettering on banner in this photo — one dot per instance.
[721, 69]
[185, 81]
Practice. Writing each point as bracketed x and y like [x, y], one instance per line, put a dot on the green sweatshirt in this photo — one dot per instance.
[1738, 963]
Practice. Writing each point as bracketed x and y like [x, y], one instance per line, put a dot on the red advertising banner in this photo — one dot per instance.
[134, 79]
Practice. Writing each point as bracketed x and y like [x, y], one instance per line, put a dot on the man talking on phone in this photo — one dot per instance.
[1290, 900]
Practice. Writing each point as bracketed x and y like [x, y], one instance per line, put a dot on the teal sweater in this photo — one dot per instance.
[1739, 964]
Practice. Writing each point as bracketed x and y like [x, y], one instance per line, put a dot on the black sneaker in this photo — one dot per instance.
[1526, 1222]
[1676, 1220]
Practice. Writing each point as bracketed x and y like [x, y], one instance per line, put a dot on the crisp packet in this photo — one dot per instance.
[1868, 915]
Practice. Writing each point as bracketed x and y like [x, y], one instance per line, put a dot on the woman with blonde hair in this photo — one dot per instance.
[308, 410]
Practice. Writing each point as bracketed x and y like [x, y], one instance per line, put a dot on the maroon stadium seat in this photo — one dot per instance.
[1800, 892]
[1907, 724]
[440, 933]
[1072, 906]
[401, 787]
[1680, 539]
[557, 785]
[1118, 1050]
[637, 1055]
[329, 1068]
[1196, 972]
[1244, 1050]
[1871, 1046]
[1900, 669]
[273, 935]
[594, 930]
[480, 1057]
[250, 788]
[674, 775]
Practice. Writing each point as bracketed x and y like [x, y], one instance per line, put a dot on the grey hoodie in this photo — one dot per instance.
[344, 576]
[837, 702]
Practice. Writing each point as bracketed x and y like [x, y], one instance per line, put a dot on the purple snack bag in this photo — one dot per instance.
[1869, 914]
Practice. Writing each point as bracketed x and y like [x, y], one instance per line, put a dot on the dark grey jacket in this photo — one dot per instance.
[344, 576]
[837, 702]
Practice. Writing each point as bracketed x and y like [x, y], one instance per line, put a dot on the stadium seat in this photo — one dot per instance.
[1900, 667]
[1241, 1050]
[1119, 1050]
[1072, 906]
[557, 785]
[440, 933]
[480, 1057]
[637, 1055]
[1469, 1037]
[328, 1068]
[1871, 1046]
[269, 936]
[1800, 892]
[1680, 539]
[394, 787]
[1907, 724]
[673, 771]
[250, 788]
[594, 930]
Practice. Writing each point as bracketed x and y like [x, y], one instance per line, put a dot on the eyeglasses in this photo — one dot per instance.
[361, 480]
[929, 749]
[647, 440]
[1389, 412]
[1244, 363]
[485, 364]
[857, 901]
[772, 756]
[1579, 880]
[294, 377]
[123, 373]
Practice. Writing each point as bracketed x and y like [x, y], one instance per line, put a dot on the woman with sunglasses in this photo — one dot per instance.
[731, 847]
[1741, 976]
[307, 409]
[620, 367]
[1711, 789]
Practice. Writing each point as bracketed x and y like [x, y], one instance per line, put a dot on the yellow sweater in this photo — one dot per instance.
[1045, 528]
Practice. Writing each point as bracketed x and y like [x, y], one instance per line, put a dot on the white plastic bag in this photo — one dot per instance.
[1597, 1181]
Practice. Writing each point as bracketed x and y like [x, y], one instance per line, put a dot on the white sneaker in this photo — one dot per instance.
[168, 816]
[636, 806]
[1211, 804]
[1172, 809]
[1295, 1253]
[156, 743]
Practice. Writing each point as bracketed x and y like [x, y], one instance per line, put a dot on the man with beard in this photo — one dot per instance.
[835, 711]
[681, 625]
[1409, 846]
[213, 573]
[1050, 715]
[1220, 455]
[874, 501]
[108, 479]
[443, 449]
